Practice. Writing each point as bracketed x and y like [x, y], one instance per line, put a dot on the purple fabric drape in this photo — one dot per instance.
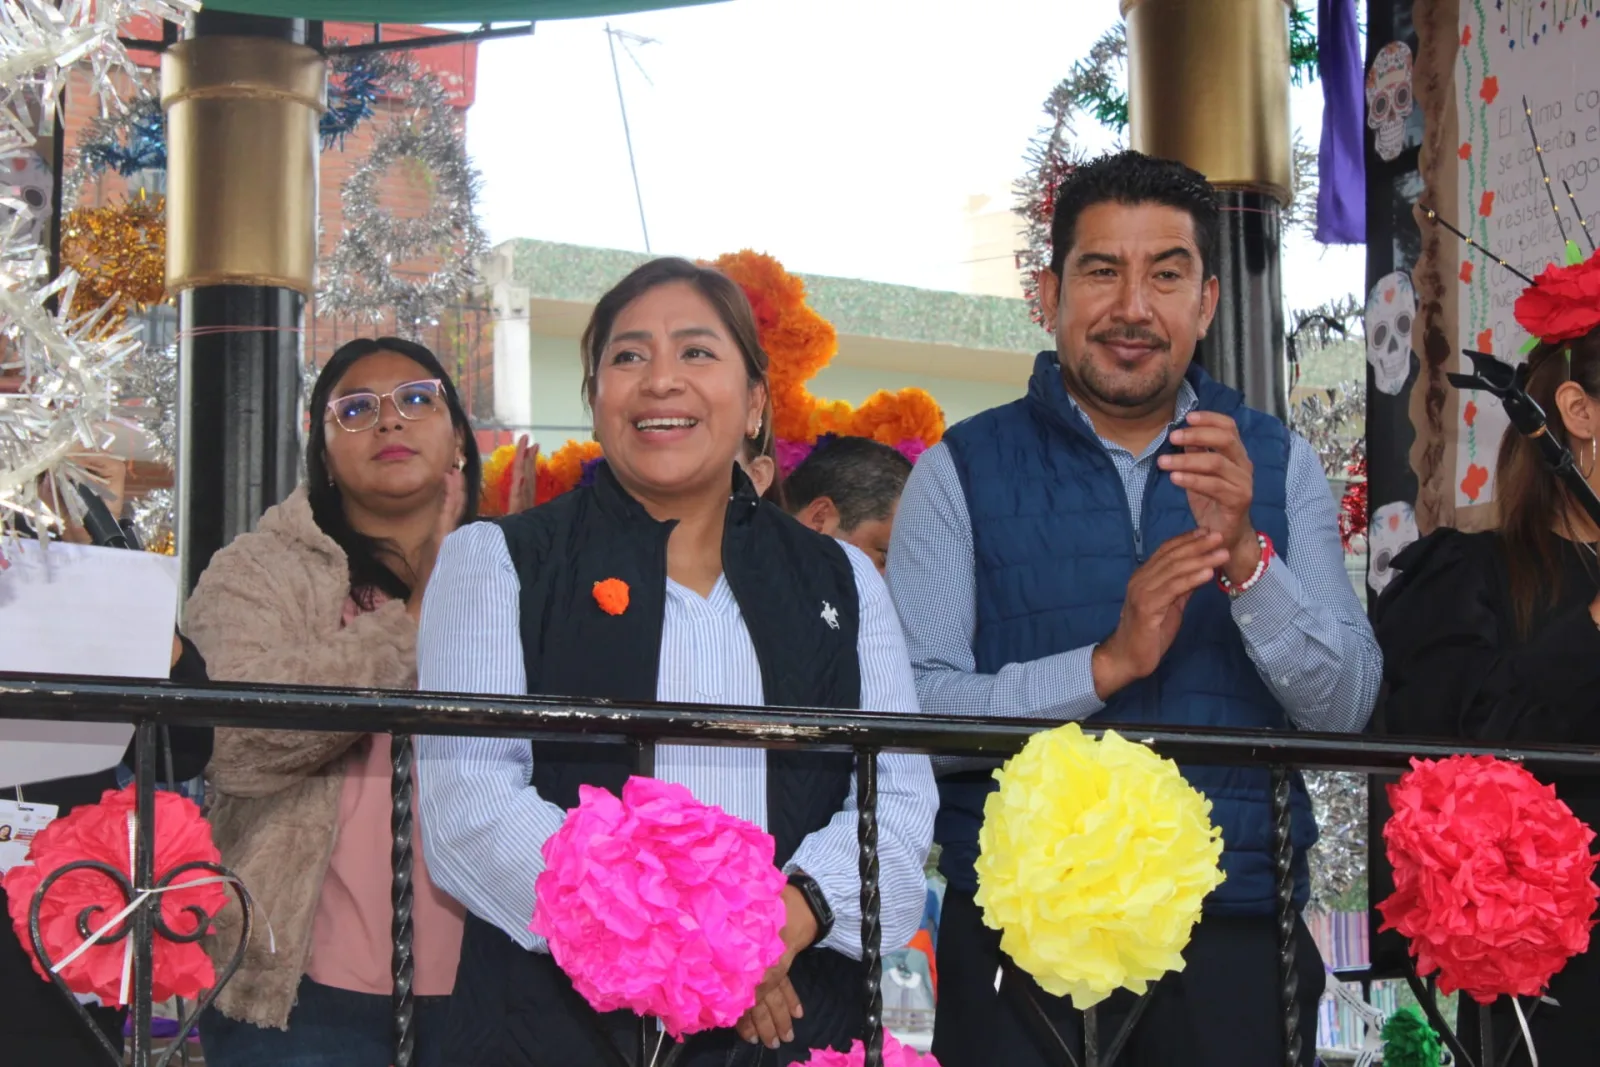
[1342, 186]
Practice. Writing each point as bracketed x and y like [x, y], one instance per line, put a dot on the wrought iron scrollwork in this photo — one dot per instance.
[158, 926]
[1283, 869]
[871, 932]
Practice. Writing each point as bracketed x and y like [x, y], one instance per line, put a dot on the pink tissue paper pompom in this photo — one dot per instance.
[894, 1055]
[661, 904]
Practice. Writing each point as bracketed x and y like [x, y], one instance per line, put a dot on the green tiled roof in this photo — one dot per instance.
[551, 271]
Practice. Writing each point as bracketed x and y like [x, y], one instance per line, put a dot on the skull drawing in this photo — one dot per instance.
[1391, 311]
[26, 179]
[1389, 98]
[1393, 527]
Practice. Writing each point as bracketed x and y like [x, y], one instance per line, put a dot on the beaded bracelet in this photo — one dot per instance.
[1237, 591]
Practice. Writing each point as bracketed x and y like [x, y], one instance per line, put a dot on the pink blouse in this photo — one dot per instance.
[351, 943]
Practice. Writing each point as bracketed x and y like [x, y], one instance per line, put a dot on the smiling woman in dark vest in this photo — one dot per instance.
[731, 602]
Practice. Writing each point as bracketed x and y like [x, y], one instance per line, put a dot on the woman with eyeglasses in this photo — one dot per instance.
[327, 591]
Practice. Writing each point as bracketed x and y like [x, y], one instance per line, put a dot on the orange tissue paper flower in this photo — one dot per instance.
[561, 471]
[611, 595]
[495, 495]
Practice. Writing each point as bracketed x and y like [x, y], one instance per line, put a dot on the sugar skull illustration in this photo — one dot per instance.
[1393, 527]
[1389, 99]
[1391, 312]
[26, 179]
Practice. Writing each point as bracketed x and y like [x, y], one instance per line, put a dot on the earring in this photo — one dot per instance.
[461, 463]
[1594, 457]
[757, 431]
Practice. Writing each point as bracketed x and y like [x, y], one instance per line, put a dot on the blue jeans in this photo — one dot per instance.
[328, 1028]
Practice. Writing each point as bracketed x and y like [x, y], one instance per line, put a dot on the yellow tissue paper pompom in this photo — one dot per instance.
[1095, 857]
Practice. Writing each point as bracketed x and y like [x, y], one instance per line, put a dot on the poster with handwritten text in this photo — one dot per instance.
[1544, 51]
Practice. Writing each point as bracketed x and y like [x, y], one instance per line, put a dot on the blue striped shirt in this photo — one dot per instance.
[484, 825]
[1302, 625]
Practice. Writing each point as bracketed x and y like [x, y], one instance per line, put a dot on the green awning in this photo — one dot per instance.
[415, 11]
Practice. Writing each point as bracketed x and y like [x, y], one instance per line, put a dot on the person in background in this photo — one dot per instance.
[849, 488]
[730, 602]
[1130, 543]
[1494, 637]
[327, 591]
[37, 1025]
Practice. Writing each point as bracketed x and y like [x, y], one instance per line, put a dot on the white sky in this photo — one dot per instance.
[842, 136]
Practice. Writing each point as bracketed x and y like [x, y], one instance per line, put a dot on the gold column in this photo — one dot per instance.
[242, 153]
[1208, 85]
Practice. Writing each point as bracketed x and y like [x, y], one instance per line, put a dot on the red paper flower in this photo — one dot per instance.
[611, 595]
[100, 832]
[1494, 881]
[1563, 303]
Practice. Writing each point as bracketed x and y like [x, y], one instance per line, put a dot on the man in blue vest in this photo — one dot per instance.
[1129, 543]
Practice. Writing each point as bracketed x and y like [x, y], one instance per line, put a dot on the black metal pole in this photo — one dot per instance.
[1283, 862]
[1244, 346]
[240, 381]
[1091, 1037]
[400, 895]
[871, 934]
[144, 880]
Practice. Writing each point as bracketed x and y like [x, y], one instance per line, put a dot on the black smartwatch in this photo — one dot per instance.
[812, 892]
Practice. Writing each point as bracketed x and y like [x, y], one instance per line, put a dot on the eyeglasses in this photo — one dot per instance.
[355, 412]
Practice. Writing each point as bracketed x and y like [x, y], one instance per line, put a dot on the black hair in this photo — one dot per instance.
[1134, 178]
[368, 571]
[863, 478]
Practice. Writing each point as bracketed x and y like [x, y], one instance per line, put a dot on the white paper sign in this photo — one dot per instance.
[74, 609]
[19, 824]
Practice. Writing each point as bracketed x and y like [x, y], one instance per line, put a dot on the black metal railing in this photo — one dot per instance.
[865, 734]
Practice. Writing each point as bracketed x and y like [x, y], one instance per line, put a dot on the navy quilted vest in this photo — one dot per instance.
[1054, 547]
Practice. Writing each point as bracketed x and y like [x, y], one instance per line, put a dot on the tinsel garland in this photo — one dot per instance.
[1408, 1040]
[362, 279]
[135, 139]
[119, 253]
[1339, 858]
[66, 358]
[153, 520]
[147, 395]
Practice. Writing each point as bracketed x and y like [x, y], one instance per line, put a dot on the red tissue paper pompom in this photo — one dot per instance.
[1494, 881]
[100, 832]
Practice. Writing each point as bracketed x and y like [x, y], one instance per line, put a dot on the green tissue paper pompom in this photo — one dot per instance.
[1408, 1040]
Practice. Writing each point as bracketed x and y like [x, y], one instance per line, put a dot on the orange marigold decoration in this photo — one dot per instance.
[611, 595]
[563, 469]
[495, 497]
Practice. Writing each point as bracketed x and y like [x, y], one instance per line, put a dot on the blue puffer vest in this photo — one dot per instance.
[1054, 547]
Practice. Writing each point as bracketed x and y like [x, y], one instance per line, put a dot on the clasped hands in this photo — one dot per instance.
[771, 1019]
[1215, 471]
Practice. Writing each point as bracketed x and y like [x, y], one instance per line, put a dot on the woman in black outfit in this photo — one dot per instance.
[1495, 637]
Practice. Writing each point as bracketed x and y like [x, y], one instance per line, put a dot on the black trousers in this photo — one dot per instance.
[1221, 1010]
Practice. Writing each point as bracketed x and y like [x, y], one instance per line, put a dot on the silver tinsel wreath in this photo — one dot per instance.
[361, 279]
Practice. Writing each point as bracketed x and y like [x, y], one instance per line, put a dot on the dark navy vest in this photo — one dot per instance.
[514, 1008]
[1054, 546]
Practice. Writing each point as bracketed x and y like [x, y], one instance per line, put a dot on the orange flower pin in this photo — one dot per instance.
[611, 595]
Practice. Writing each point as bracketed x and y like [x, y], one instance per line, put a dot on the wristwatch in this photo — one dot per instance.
[812, 892]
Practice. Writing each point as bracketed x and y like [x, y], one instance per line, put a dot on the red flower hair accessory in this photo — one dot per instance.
[1563, 303]
[100, 832]
[1493, 876]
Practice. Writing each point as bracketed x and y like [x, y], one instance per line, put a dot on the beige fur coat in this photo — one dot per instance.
[268, 609]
